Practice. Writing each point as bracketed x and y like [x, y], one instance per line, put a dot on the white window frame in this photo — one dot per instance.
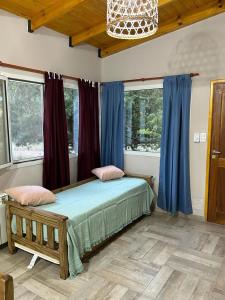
[31, 79]
[7, 122]
[26, 76]
[137, 87]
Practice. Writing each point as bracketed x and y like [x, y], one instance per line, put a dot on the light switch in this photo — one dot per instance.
[203, 137]
[196, 137]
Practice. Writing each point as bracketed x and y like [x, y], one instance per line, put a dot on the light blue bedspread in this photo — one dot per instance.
[97, 210]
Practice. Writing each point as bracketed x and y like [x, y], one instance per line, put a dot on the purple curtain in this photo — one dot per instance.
[56, 154]
[88, 143]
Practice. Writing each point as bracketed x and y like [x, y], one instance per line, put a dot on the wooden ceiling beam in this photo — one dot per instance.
[52, 12]
[100, 28]
[85, 35]
[194, 16]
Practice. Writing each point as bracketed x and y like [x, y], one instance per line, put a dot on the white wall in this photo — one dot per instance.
[46, 50]
[198, 48]
[29, 173]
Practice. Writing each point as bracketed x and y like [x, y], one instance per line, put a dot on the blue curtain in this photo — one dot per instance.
[174, 180]
[112, 124]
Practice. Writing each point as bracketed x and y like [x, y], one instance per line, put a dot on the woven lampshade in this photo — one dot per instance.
[132, 19]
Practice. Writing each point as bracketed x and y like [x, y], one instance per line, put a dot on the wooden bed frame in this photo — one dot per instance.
[56, 252]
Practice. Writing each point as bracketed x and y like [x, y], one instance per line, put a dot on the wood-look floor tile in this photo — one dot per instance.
[156, 285]
[130, 295]
[216, 295]
[120, 279]
[164, 255]
[187, 288]
[21, 293]
[154, 252]
[92, 289]
[117, 293]
[42, 290]
[193, 268]
[202, 290]
[210, 244]
[172, 285]
[220, 247]
[161, 257]
[143, 249]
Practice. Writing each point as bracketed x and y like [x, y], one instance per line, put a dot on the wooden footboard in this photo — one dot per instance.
[31, 216]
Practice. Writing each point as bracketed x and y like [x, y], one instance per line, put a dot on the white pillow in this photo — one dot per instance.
[31, 195]
[108, 173]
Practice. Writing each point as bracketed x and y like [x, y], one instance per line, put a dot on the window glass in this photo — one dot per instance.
[26, 118]
[72, 115]
[143, 119]
[4, 133]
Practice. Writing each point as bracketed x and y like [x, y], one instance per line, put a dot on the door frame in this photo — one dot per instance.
[208, 158]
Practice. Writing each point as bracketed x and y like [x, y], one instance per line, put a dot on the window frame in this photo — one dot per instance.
[16, 162]
[137, 87]
[7, 122]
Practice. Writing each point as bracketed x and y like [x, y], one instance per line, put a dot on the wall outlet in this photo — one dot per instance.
[196, 137]
[203, 137]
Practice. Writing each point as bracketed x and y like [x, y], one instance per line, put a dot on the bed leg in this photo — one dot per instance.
[64, 272]
[32, 262]
[11, 244]
[63, 251]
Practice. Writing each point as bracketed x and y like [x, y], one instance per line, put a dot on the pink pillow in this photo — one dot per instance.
[108, 173]
[31, 195]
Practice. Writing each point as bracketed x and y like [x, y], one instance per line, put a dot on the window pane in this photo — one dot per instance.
[143, 120]
[72, 115]
[26, 117]
[4, 137]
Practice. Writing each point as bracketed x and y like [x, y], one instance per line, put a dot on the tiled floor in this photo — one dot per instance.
[160, 257]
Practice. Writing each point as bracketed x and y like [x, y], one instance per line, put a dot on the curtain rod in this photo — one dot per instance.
[154, 78]
[17, 67]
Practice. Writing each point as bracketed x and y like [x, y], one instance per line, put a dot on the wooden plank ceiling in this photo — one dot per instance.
[84, 21]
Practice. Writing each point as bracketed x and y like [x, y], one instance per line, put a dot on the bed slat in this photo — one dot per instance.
[39, 234]
[19, 228]
[28, 230]
[51, 237]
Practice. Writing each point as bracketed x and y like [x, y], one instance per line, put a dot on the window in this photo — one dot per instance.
[26, 118]
[25, 107]
[4, 132]
[72, 115]
[143, 119]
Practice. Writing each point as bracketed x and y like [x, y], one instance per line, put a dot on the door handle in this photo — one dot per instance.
[216, 152]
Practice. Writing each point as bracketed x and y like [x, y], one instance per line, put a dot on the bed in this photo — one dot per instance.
[84, 216]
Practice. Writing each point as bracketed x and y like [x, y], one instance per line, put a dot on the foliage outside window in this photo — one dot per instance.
[26, 118]
[143, 119]
[72, 115]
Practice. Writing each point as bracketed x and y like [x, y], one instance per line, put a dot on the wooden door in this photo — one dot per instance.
[216, 204]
